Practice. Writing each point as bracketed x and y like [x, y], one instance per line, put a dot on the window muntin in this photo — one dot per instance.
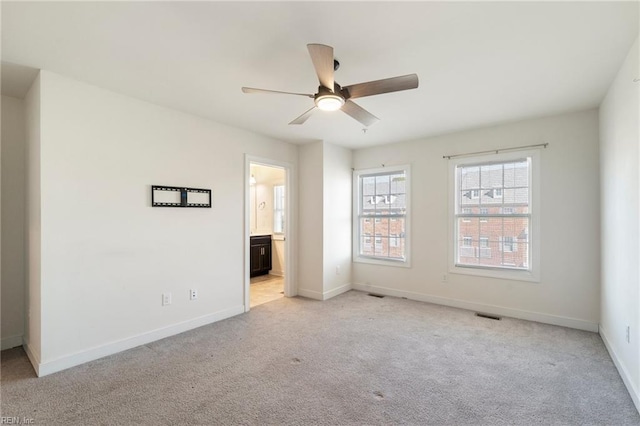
[492, 229]
[381, 194]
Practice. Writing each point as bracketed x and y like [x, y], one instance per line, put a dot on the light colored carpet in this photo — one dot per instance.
[351, 360]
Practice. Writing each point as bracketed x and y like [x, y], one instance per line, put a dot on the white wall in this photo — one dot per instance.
[325, 220]
[263, 212]
[33, 223]
[620, 187]
[107, 255]
[310, 208]
[13, 217]
[568, 293]
[337, 221]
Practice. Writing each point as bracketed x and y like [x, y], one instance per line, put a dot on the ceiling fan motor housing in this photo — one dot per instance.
[327, 100]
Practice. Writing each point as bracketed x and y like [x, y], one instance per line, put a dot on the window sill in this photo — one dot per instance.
[383, 262]
[504, 274]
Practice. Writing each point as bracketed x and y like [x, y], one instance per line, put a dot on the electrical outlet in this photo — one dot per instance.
[337, 270]
[444, 278]
[628, 335]
[193, 294]
[166, 299]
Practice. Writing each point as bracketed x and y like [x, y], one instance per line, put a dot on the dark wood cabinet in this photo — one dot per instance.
[260, 255]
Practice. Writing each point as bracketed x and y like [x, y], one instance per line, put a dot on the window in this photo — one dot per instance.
[381, 195]
[278, 209]
[509, 244]
[497, 241]
[467, 211]
[484, 211]
[475, 193]
[484, 242]
[378, 243]
[367, 240]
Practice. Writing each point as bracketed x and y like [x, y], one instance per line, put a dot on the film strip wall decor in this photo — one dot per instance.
[176, 196]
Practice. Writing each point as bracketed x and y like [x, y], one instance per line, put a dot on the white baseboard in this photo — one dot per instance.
[336, 291]
[35, 361]
[316, 295]
[311, 294]
[626, 377]
[71, 360]
[276, 272]
[11, 342]
[489, 309]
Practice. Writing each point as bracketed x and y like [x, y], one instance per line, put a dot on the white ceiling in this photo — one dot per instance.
[479, 63]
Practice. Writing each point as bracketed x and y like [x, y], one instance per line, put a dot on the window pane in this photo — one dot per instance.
[368, 185]
[366, 245]
[278, 209]
[491, 176]
[382, 196]
[398, 183]
[398, 202]
[469, 178]
[382, 185]
[366, 227]
[493, 189]
[516, 174]
[504, 242]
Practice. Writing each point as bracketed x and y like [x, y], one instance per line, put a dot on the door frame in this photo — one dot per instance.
[290, 289]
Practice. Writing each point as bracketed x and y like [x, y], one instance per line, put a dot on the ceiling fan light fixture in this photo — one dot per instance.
[329, 102]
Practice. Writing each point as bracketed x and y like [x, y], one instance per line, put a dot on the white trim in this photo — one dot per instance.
[290, 287]
[357, 200]
[35, 361]
[626, 377]
[490, 309]
[532, 275]
[311, 294]
[11, 342]
[81, 357]
[336, 291]
[316, 295]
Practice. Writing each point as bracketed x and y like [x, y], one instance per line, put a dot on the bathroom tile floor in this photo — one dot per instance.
[266, 288]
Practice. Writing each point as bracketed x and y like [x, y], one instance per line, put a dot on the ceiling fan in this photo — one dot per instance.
[331, 96]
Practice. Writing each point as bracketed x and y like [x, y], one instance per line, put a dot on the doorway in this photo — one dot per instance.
[268, 222]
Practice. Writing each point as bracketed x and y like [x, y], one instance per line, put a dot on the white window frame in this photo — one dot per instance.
[357, 200]
[533, 273]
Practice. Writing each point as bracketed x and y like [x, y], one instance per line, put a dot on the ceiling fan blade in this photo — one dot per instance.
[359, 113]
[322, 58]
[394, 84]
[303, 117]
[254, 90]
